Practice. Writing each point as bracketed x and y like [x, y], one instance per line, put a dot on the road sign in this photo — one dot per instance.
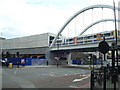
[103, 47]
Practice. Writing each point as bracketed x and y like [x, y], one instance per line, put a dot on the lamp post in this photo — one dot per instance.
[18, 61]
[58, 54]
[115, 32]
[114, 45]
[90, 62]
[1, 44]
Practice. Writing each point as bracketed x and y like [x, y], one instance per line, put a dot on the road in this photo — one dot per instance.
[45, 77]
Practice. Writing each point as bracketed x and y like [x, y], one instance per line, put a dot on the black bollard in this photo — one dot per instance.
[47, 63]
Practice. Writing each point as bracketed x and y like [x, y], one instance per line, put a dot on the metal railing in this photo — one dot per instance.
[105, 78]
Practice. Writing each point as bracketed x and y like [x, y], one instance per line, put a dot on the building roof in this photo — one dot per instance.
[1, 38]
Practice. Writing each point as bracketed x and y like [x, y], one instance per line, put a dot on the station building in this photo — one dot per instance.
[34, 46]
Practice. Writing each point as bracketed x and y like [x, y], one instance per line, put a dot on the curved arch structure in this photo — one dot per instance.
[104, 20]
[79, 12]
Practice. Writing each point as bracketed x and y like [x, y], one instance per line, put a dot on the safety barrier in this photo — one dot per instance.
[28, 61]
[78, 62]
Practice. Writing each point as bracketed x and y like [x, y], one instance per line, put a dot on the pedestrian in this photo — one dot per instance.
[23, 62]
[47, 63]
[17, 64]
[82, 62]
[67, 62]
[6, 62]
[3, 63]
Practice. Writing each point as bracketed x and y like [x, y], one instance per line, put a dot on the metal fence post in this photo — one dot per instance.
[104, 84]
[113, 65]
[92, 80]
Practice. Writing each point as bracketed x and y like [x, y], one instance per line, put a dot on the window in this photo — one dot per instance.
[95, 36]
[107, 34]
[71, 39]
[67, 40]
[51, 39]
[89, 37]
[59, 41]
[80, 38]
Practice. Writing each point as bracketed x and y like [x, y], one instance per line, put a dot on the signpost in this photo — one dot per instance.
[104, 48]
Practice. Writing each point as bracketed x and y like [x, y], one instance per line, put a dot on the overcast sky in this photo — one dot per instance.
[28, 17]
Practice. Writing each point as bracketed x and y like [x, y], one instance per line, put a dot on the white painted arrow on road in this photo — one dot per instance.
[77, 80]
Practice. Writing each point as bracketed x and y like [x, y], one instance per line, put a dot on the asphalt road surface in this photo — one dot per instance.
[45, 77]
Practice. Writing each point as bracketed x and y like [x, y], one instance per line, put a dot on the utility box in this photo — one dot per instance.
[10, 65]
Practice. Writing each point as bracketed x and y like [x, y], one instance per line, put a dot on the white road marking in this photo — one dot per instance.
[85, 75]
[66, 74]
[45, 74]
[52, 75]
[15, 71]
[73, 86]
[77, 80]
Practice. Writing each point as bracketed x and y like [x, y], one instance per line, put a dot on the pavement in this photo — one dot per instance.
[68, 66]
[109, 84]
[45, 77]
[85, 66]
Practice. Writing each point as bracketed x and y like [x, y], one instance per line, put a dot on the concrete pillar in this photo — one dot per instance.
[69, 59]
[50, 57]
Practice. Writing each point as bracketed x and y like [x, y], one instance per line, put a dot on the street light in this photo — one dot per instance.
[90, 62]
[58, 54]
[115, 32]
[1, 44]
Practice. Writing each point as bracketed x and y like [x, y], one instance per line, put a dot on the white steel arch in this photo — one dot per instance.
[79, 12]
[104, 20]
